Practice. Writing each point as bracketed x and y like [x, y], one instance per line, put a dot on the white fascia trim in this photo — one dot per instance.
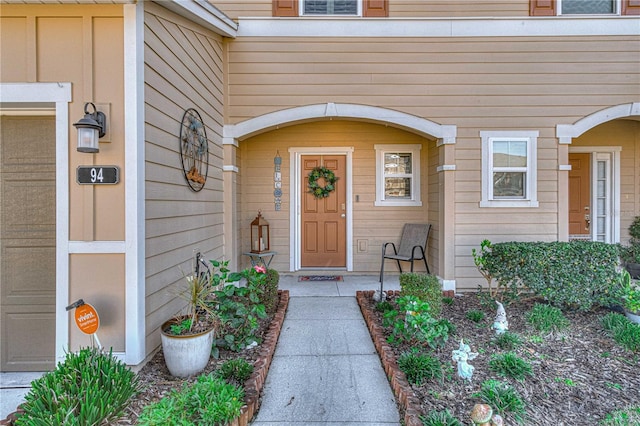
[274, 120]
[438, 27]
[203, 13]
[134, 137]
[446, 168]
[227, 168]
[564, 167]
[566, 132]
[49, 94]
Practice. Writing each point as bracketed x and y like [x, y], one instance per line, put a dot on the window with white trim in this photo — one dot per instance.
[398, 175]
[330, 7]
[509, 169]
[588, 7]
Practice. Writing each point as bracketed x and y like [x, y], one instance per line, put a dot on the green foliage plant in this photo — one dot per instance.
[576, 274]
[482, 261]
[446, 300]
[240, 309]
[507, 340]
[425, 287]
[475, 315]
[269, 296]
[384, 306]
[623, 331]
[416, 325]
[510, 365]
[87, 388]
[625, 417]
[547, 318]
[440, 418]
[502, 398]
[235, 371]
[181, 327]
[631, 292]
[419, 367]
[210, 401]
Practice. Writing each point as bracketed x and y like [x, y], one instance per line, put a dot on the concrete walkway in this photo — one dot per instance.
[325, 370]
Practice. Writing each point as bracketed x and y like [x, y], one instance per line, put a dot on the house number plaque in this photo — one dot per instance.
[98, 175]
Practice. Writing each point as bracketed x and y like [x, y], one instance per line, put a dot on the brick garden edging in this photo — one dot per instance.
[253, 386]
[401, 387]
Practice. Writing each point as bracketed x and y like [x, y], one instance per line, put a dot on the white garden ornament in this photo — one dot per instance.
[500, 323]
[462, 355]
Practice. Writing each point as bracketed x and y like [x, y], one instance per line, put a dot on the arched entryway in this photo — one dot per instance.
[421, 131]
[603, 178]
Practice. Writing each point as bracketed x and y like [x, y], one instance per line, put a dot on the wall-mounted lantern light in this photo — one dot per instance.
[90, 128]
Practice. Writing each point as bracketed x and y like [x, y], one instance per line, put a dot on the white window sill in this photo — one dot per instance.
[394, 203]
[508, 203]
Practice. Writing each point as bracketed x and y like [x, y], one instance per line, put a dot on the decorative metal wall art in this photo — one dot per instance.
[277, 181]
[194, 149]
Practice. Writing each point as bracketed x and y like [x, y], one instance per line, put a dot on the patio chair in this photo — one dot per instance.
[413, 246]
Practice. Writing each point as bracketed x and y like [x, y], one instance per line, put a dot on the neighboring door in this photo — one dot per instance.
[27, 243]
[323, 239]
[580, 196]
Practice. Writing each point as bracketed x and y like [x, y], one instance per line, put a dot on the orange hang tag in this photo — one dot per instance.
[87, 319]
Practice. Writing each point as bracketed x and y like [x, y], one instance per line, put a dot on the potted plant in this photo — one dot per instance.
[630, 254]
[187, 339]
[631, 297]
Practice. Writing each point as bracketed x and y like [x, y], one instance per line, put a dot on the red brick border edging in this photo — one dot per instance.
[253, 385]
[401, 388]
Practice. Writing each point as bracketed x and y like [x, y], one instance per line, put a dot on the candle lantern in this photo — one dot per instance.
[259, 234]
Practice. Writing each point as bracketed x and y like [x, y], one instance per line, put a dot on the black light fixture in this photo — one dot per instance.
[90, 128]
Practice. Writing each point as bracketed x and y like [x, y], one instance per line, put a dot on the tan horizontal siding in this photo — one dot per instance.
[183, 69]
[397, 8]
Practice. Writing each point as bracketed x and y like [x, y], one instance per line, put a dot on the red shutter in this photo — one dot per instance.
[542, 7]
[630, 7]
[375, 8]
[285, 7]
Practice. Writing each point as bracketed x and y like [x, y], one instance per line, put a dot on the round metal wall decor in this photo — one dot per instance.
[194, 149]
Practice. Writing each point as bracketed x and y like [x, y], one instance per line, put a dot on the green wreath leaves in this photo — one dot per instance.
[329, 179]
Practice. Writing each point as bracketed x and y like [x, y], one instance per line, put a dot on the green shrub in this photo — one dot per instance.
[507, 340]
[416, 325]
[210, 401]
[419, 367]
[503, 399]
[510, 365]
[577, 274]
[440, 418]
[269, 296]
[425, 287]
[384, 306]
[88, 388]
[623, 331]
[447, 300]
[235, 371]
[475, 316]
[546, 318]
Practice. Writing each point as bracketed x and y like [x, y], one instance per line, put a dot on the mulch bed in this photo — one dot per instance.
[579, 375]
[157, 382]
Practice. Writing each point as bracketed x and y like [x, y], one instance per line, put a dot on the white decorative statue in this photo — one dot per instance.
[462, 355]
[500, 323]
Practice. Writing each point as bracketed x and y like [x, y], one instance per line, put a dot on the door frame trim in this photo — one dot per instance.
[614, 207]
[58, 96]
[295, 200]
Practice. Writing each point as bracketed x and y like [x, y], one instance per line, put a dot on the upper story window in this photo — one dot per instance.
[330, 7]
[509, 169]
[365, 8]
[583, 7]
[588, 7]
[398, 175]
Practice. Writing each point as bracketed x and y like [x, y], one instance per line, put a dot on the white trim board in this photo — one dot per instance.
[556, 26]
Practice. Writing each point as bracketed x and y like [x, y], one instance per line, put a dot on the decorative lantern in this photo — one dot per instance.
[90, 128]
[259, 234]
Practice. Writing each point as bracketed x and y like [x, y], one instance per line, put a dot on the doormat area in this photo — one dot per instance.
[320, 278]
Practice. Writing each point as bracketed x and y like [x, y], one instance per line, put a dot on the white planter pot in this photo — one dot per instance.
[632, 317]
[186, 355]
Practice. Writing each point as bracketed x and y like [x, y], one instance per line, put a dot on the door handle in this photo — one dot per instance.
[587, 218]
[343, 215]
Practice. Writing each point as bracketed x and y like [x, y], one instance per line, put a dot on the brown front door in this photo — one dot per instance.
[580, 196]
[324, 220]
[27, 243]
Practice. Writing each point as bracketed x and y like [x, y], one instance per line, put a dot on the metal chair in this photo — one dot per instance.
[413, 246]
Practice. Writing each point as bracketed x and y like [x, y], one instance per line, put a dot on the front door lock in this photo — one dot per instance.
[587, 219]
